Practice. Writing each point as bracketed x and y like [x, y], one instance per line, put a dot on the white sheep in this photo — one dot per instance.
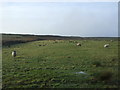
[111, 40]
[106, 45]
[78, 44]
[14, 53]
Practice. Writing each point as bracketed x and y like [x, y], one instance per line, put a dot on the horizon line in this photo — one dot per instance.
[56, 35]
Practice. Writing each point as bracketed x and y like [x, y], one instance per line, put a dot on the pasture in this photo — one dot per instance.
[50, 64]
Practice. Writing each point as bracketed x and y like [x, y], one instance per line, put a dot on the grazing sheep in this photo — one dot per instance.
[106, 45]
[111, 40]
[14, 53]
[78, 44]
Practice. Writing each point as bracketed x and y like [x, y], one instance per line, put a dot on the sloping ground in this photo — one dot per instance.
[61, 64]
[12, 39]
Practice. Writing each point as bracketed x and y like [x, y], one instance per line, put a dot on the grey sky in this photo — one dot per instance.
[73, 19]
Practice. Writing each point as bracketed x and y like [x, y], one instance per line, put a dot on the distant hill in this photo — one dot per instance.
[10, 39]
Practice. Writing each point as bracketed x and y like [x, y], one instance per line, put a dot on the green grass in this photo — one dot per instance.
[55, 65]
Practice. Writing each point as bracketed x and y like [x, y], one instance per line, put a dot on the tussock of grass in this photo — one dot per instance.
[104, 75]
[97, 63]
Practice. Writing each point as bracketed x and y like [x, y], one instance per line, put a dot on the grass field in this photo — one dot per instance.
[61, 64]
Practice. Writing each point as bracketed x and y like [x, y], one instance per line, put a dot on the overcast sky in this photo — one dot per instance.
[86, 19]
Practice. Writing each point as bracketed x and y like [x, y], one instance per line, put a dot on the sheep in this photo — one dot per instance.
[14, 53]
[106, 45]
[111, 40]
[78, 44]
